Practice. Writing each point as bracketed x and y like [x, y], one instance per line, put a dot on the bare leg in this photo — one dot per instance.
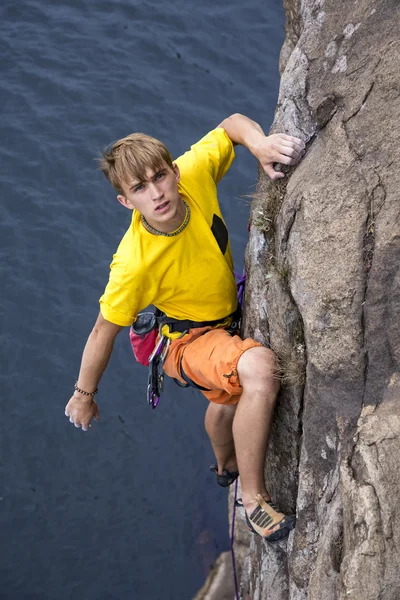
[218, 423]
[251, 426]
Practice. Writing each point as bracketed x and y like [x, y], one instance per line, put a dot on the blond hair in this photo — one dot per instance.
[131, 157]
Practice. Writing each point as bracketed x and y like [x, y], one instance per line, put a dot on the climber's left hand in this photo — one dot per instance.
[278, 148]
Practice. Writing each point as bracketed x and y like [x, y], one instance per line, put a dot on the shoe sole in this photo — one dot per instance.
[280, 534]
[227, 477]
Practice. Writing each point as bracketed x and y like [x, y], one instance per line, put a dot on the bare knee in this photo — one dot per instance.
[257, 370]
[218, 414]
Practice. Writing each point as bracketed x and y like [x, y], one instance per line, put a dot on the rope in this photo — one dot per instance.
[232, 540]
[240, 283]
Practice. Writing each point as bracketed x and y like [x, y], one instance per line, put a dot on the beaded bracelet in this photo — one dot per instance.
[83, 392]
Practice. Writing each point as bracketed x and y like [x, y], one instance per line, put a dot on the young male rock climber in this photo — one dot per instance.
[176, 255]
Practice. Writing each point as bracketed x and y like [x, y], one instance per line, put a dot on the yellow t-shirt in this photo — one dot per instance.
[190, 275]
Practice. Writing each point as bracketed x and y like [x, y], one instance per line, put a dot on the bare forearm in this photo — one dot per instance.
[95, 358]
[97, 353]
[82, 408]
[244, 131]
[276, 148]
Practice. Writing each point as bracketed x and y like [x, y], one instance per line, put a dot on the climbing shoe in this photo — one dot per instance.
[264, 519]
[227, 477]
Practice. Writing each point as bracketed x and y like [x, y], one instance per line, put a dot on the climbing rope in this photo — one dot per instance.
[232, 540]
[240, 283]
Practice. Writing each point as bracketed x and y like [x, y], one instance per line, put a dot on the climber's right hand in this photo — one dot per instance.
[81, 410]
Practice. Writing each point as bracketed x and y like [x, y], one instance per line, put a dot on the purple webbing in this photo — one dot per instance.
[232, 540]
[240, 283]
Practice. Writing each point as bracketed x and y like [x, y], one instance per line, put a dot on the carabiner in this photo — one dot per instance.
[165, 351]
[158, 348]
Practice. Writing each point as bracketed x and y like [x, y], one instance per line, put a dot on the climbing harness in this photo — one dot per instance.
[150, 346]
[155, 382]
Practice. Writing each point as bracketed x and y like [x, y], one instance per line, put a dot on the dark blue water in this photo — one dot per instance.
[127, 510]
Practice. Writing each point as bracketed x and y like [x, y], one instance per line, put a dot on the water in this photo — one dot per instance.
[128, 510]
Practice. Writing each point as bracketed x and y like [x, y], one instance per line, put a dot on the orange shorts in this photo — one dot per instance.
[210, 360]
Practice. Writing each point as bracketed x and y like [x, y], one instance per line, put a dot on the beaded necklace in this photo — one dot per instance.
[181, 227]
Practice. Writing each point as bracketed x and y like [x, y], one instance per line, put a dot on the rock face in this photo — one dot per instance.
[219, 584]
[323, 291]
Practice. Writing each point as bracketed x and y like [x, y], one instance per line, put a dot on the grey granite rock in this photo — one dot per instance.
[219, 584]
[324, 292]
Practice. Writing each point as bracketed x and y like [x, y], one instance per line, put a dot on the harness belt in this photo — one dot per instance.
[232, 328]
[150, 321]
[189, 382]
[181, 326]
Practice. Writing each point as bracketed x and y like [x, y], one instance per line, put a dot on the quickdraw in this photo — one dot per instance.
[155, 381]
